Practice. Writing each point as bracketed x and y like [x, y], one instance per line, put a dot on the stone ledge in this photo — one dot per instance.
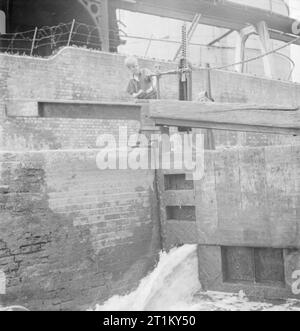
[45, 108]
[22, 109]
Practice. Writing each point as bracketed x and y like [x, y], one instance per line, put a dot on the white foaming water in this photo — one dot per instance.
[170, 286]
[174, 286]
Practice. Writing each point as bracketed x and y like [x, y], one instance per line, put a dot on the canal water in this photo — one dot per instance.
[174, 286]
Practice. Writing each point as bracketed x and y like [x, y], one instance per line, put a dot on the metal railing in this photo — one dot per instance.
[44, 41]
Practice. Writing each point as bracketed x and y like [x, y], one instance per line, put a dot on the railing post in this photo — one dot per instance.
[33, 41]
[148, 47]
[210, 138]
[271, 6]
[208, 81]
[71, 33]
[158, 87]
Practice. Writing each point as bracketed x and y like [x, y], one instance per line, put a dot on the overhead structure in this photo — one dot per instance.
[18, 16]
[220, 13]
[190, 33]
[2, 22]
[97, 21]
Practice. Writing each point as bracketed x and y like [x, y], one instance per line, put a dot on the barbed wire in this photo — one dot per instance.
[35, 42]
[46, 40]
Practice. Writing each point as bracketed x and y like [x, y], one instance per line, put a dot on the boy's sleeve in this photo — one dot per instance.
[131, 88]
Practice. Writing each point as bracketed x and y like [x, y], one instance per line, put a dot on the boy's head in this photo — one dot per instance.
[132, 64]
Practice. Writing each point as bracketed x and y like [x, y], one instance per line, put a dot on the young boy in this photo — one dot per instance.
[142, 85]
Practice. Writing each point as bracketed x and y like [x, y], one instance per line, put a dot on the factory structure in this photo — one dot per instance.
[216, 41]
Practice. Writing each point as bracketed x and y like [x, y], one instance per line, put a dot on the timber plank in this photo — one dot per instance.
[235, 117]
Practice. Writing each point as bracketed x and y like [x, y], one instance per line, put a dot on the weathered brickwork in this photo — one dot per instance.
[227, 139]
[236, 139]
[79, 74]
[72, 235]
[31, 133]
[73, 74]
[235, 87]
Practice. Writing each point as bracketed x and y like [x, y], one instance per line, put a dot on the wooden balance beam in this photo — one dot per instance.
[275, 119]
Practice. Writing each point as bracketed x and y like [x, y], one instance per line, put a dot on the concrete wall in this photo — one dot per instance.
[211, 272]
[250, 197]
[247, 201]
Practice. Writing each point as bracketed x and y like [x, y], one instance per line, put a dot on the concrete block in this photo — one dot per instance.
[292, 265]
[2, 110]
[179, 233]
[179, 198]
[210, 266]
[213, 276]
[250, 197]
[22, 109]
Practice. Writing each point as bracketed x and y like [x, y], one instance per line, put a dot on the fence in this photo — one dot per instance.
[44, 41]
[47, 40]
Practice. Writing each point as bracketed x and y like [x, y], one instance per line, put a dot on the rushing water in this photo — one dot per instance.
[174, 285]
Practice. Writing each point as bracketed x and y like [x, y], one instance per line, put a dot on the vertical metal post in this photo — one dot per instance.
[185, 83]
[184, 45]
[71, 32]
[210, 139]
[183, 89]
[149, 44]
[158, 87]
[33, 41]
[208, 82]
[8, 16]
[190, 33]
[104, 26]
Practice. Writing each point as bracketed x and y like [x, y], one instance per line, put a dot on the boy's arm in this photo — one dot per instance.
[132, 90]
[153, 79]
[138, 94]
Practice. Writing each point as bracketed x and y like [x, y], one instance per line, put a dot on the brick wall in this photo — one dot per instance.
[72, 235]
[79, 74]
[73, 74]
[229, 139]
[31, 133]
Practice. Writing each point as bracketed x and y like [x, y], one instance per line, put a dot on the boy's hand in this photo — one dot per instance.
[150, 90]
[140, 92]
